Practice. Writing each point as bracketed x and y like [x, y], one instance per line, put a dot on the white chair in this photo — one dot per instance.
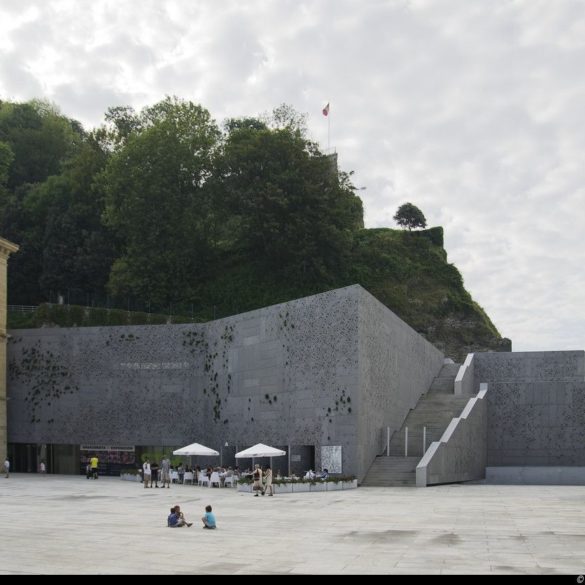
[214, 479]
[174, 477]
[203, 479]
[188, 478]
[228, 479]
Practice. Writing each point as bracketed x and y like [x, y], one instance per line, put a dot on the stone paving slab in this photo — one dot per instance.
[71, 525]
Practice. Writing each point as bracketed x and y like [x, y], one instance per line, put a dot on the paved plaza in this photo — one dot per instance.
[67, 524]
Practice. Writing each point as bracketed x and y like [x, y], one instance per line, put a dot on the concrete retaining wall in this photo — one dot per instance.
[278, 375]
[461, 453]
[329, 370]
[465, 379]
[536, 407]
[396, 367]
[535, 475]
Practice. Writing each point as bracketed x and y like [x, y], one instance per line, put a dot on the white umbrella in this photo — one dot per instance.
[260, 450]
[195, 449]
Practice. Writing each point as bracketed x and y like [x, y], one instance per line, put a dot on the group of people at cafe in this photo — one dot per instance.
[153, 473]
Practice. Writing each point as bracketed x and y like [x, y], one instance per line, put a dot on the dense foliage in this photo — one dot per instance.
[163, 208]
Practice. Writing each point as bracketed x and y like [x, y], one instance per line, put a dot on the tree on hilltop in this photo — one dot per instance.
[410, 216]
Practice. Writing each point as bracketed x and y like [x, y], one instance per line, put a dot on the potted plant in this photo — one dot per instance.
[300, 485]
[282, 486]
[245, 484]
[333, 484]
[130, 475]
[349, 482]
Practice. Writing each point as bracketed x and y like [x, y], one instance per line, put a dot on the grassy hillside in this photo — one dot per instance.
[409, 273]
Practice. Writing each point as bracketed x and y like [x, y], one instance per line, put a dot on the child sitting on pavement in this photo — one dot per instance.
[209, 518]
[176, 518]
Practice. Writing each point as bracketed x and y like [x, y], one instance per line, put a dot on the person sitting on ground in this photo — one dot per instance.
[209, 518]
[172, 519]
[177, 519]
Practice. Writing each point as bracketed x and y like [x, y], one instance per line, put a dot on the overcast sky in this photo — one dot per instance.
[473, 110]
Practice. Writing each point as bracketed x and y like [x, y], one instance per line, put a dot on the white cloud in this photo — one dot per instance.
[472, 110]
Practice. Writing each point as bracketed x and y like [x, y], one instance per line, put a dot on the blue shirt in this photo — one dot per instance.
[210, 519]
[172, 520]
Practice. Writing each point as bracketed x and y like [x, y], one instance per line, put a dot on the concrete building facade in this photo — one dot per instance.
[323, 377]
[536, 409]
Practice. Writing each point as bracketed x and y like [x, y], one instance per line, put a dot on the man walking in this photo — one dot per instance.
[165, 469]
[94, 462]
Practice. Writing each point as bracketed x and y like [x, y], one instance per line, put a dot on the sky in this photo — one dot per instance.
[473, 111]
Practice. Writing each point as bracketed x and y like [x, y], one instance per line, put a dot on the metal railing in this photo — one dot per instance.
[426, 434]
[22, 308]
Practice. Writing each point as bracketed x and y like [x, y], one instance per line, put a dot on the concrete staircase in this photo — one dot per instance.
[392, 471]
[434, 410]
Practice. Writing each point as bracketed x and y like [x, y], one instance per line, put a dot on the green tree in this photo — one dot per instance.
[410, 216]
[41, 140]
[78, 250]
[159, 204]
[6, 158]
[289, 210]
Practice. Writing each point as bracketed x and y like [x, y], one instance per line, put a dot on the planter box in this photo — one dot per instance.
[130, 477]
[288, 488]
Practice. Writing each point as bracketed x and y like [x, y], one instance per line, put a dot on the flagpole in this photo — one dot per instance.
[329, 128]
[326, 112]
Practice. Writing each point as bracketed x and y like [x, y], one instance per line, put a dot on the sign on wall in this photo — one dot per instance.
[331, 458]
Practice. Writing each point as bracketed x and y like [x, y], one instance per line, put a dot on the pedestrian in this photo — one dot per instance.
[43, 467]
[94, 466]
[165, 470]
[7, 467]
[209, 518]
[154, 474]
[257, 477]
[146, 473]
[268, 481]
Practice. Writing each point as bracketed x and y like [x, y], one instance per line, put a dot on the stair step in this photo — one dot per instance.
[450, 370]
